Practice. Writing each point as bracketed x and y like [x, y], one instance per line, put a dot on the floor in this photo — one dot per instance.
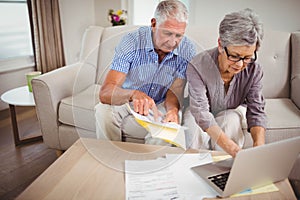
[21, 165]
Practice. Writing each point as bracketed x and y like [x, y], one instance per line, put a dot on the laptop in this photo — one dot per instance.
[251, 167]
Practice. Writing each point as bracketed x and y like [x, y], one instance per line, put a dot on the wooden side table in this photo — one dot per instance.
[19, 97]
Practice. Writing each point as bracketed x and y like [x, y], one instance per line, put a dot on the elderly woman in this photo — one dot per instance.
[225, 88]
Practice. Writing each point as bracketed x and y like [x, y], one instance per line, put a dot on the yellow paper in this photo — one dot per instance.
[258, 190]
[142, 123]
[170, 132]
[219, 158]
[170, 135]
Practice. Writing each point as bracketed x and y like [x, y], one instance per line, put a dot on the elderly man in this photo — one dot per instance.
[148, 71]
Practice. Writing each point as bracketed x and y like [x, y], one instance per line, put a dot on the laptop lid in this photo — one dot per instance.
[257, 166]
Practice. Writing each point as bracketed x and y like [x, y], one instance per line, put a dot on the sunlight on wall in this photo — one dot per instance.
[143, 10]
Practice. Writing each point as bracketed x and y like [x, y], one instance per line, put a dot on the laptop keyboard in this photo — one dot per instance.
[220, 180]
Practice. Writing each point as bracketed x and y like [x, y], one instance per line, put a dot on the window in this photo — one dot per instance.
[16, 50]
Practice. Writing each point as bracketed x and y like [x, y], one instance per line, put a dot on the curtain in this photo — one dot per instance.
[47, 36]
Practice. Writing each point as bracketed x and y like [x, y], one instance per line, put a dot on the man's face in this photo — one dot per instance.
[167, 35]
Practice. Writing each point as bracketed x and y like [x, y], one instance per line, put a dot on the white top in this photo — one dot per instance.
[19, 97]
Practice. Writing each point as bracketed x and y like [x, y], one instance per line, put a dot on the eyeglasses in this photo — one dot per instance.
[237, 58]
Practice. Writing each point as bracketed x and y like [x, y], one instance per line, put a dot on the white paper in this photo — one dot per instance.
[149, 179]
[176, 137]
[190, 185]
[167, 178]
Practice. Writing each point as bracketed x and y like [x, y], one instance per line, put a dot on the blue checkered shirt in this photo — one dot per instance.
[135, 56]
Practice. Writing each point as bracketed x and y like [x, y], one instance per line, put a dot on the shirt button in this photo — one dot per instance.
[152, 88]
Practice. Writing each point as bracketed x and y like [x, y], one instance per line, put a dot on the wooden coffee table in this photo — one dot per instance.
[94, 169]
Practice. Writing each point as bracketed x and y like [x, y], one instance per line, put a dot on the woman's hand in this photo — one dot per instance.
[258, 135]
[231, 147]
[220, 138]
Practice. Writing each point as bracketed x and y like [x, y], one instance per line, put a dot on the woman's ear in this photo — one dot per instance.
[153, 22]
[220, 47]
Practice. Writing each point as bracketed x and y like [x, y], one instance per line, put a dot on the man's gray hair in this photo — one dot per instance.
[241, 28]
[171, 9]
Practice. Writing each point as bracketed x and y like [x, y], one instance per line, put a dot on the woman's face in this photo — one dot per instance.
[228, 56]
[167, 36]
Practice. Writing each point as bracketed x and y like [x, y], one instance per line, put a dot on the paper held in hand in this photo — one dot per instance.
[170, 132]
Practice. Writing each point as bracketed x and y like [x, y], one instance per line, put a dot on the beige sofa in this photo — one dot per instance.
[65, 98]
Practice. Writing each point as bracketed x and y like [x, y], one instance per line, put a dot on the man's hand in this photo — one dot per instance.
[142, 103]
[173, 102]
[172, 116]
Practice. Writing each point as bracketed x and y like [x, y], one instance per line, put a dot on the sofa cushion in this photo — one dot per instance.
[109, 40]
[282, 113]
[78, 110]
[283, 119]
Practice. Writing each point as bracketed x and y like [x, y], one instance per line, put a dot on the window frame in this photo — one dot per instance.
[20, 62]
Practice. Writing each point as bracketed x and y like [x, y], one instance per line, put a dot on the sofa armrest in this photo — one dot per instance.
[295, 73]
[50, 88]
[295, 90]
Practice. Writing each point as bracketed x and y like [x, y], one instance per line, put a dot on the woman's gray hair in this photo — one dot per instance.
[241, 28]
[171, 9]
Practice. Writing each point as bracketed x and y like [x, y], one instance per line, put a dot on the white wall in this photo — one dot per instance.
[142, 11]
[101, 10]
[275, 14]
[76, 16]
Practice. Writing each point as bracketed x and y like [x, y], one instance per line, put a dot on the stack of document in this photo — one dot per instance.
[171, 177]
[170, 132]
[167, 178]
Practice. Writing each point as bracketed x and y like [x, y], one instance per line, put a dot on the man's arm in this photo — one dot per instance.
[112, 93]
[173, 102]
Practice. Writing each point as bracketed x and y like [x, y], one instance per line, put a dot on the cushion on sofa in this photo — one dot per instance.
[110, 39]
[78, 110]
[274, 56]
[283, 119]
